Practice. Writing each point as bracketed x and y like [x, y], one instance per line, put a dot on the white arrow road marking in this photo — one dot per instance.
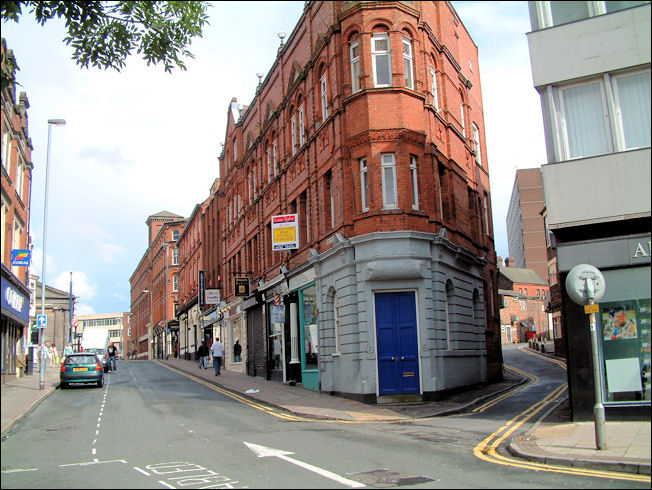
[265, 452]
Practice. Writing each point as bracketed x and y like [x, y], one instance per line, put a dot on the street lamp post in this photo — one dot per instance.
[51, 122]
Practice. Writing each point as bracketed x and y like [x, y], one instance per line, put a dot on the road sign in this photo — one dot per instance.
[75, 323]
[41, 321]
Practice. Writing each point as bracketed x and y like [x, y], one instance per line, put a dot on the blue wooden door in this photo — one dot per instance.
[396, 334]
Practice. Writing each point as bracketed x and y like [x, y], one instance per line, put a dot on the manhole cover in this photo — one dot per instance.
[386, 478]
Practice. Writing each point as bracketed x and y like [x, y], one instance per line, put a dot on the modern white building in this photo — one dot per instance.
[591, 67]
[114, 323]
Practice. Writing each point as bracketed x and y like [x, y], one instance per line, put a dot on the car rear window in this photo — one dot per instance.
[81, 360]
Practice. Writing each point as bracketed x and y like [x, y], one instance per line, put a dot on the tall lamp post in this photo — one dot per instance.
[41, 381]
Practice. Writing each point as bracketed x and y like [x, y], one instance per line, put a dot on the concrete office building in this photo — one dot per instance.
[526, 231]
[591, 67]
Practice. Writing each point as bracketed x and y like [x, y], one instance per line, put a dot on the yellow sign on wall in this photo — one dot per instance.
[285, 232]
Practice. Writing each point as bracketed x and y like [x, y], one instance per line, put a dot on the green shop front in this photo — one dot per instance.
[623, 328]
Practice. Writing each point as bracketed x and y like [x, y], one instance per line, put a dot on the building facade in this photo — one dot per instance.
[153, 289]
[524, 310]
[595, 101]
[113, 323]
[367, 137]
[526, 231]
[15, 154]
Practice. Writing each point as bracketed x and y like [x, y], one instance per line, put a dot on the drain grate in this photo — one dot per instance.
[385, 478]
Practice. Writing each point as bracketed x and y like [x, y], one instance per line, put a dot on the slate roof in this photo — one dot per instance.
[521, 276]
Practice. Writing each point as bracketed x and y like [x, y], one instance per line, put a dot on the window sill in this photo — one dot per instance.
[336, 354]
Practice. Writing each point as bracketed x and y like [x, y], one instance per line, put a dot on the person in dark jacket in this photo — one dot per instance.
[202, 352]
[237, 351]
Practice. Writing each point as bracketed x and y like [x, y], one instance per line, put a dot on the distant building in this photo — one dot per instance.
[113, 323]
[57, 311]
[154, 289]
[16, 158]
[591, 68]
[526, 230]
[523, 313]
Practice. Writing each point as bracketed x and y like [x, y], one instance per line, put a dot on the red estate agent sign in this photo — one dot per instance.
[285, 232]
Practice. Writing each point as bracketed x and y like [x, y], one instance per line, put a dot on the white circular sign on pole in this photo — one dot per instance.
[585, 282]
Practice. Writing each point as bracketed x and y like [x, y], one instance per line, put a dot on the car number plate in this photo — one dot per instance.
[80, 369]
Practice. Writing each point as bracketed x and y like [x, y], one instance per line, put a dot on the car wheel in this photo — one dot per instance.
[63, 385]
[100, 383]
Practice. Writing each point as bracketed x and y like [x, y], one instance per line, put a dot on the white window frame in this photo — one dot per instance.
[408, 65]
[175, 283]
[476, 141]
[251, 188]
[485, 209]
[6, 148]
[415, 182]
[364, 185]
[433, 88]
[564, 138]
[175, 256]
[621, 142]
[301, 129]
[355, 66]
[388, 164]
[269, 164]
[462, 118]
[275, 158]
[235, 149]
[324, 97]
[376, 54]
[20, 177]
[293, 125]
[332, 199]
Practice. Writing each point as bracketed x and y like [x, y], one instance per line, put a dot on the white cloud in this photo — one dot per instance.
[82, 287]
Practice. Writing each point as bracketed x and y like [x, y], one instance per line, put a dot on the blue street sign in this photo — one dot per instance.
[20, 257]
[41, 321]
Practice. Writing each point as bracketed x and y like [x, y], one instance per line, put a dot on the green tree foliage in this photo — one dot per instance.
[104, 34]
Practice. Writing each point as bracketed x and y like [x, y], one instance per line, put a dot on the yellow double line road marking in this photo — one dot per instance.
[487, 449]
[531, 379]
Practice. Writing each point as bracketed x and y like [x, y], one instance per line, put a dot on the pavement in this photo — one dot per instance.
[547, 442]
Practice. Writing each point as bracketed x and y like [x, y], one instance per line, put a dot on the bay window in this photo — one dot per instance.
[407, 63]
[388, 166]
[381, 59]
[355, 66]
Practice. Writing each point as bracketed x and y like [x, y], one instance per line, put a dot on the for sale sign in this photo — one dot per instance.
[285, 232]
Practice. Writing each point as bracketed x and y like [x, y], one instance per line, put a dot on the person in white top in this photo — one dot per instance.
[217, 351]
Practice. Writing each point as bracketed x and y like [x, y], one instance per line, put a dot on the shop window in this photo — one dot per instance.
[310, 329]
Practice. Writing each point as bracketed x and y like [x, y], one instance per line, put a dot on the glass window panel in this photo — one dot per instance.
[586, 129]
[565, 12]
[380, 44]
[634, 99]
[615, 6]
[310, 332]
[382, 70]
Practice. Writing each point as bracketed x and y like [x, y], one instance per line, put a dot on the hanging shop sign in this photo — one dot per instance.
[285, 232]
[241, 286]
[212, 296]
[20, 257]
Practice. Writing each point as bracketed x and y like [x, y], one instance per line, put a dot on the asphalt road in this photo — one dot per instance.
[149, 427]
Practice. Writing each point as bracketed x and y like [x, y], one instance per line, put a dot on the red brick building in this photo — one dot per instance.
[369, 129]
[525, 298]
[154, 326]
[16, 155]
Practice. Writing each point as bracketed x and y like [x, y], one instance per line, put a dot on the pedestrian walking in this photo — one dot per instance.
[113, 361]
[55, 356]
[217, 351]
[237, 351]
[67, 350]
[202, 352]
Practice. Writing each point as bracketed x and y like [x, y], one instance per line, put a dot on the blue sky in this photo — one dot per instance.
[142, 141]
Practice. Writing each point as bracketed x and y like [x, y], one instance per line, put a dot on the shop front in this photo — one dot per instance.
[309, 337]
[15, 320]
[623, 323]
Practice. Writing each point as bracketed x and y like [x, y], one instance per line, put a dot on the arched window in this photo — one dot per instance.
[450, 292]
[408, 66]
[323, 93]
[354, 53]
[381, 58]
